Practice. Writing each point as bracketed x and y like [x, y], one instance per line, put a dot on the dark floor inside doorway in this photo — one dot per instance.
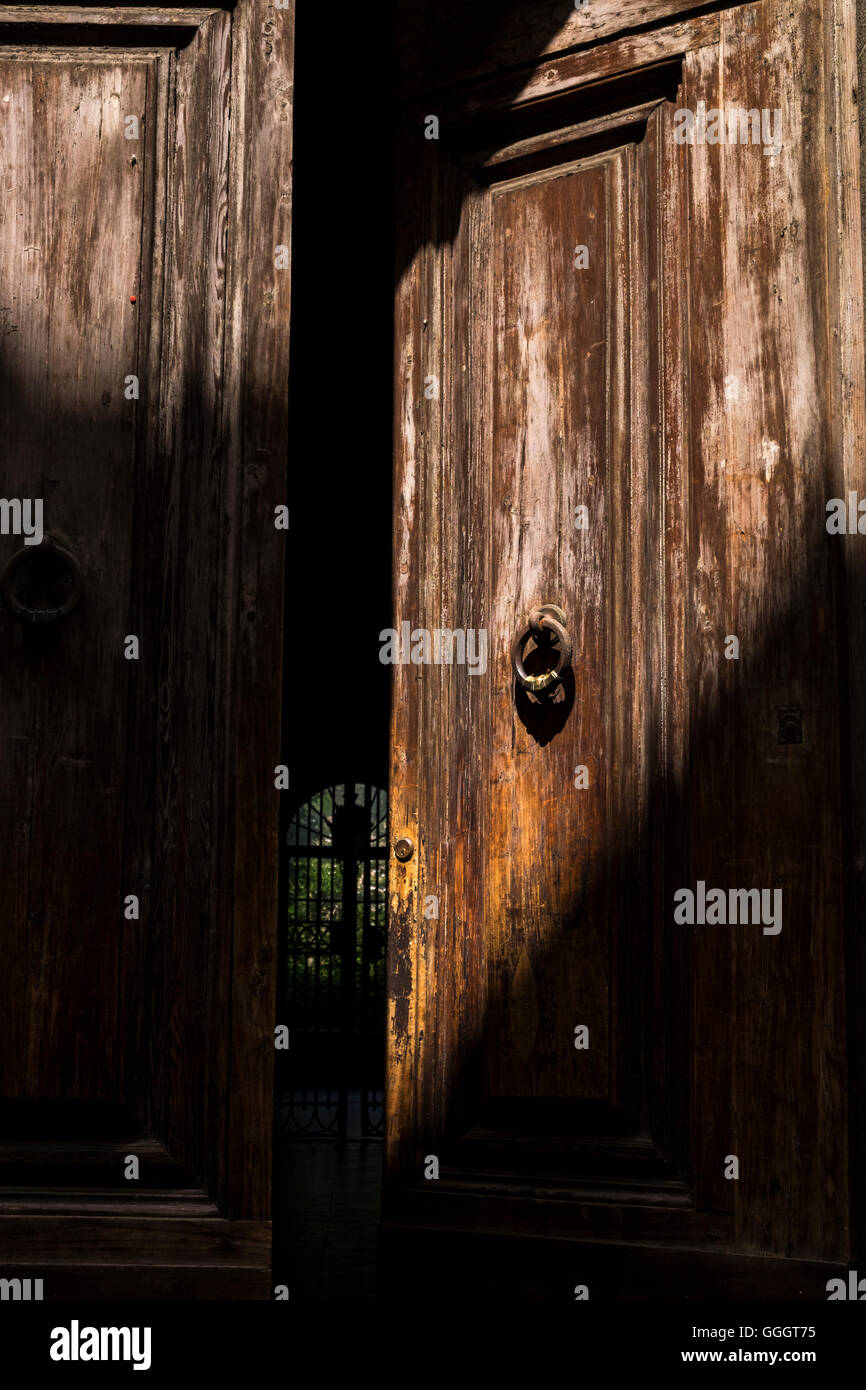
[326, 1217]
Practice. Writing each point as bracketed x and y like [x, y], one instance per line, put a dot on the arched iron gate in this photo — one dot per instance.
[330, 1080]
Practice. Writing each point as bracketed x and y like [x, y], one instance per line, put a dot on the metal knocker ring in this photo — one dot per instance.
[41, 583]
[545, 619]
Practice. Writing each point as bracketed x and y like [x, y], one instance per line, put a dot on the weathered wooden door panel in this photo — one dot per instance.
[567, 386]
[70, 258]
[141, 921]
[618, 392]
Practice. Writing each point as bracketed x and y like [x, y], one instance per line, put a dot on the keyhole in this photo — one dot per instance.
[43, 582]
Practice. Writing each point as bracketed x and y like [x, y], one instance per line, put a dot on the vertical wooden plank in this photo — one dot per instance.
[417, 430]
[669, 505]
[456, 811]
[847, 473]
[707, 748]
[558, 440]
[472, 487]
[250, 642]
[790, 1114]
[187, 956]
[135, 1081]
[216, 966]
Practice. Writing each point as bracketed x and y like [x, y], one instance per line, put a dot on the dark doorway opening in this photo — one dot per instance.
[328, 1091]
[330, 1080]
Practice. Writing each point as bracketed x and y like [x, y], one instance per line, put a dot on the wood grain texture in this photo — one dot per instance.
[71, 249]
[560, 368]
[186, 969]
[535, 430]
[706, 680]
[770, 426]
[148, 535]
[107, 15]
[847, 472]
[255, 425]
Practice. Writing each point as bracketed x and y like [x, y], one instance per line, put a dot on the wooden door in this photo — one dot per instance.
[628, 379]
[143, 382]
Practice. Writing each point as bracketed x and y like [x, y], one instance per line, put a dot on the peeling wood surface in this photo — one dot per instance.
[110, 15]
[844, 156]
[560, 429]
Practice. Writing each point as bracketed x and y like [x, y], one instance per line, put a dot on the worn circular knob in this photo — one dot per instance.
[545, 622]
[404, 848]
[41, 583]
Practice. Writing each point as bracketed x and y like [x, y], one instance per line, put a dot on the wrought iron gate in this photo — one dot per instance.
[330, 1080]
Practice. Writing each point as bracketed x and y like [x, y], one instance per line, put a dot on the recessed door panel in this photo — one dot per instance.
[563, 397]
[71, 236]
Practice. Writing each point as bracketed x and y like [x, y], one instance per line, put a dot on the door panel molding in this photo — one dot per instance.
[494, 39]
[608, 1133]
